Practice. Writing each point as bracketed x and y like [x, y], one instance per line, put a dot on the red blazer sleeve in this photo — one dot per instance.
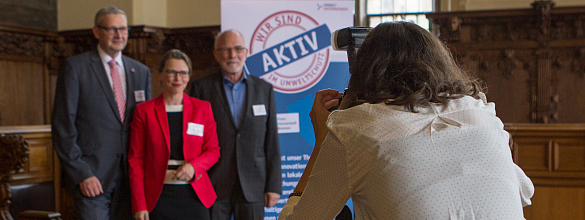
[136, 159]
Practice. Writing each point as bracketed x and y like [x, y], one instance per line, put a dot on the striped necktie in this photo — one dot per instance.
[118, 91]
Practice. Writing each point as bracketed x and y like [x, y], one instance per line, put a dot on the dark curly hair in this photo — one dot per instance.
[400, 63]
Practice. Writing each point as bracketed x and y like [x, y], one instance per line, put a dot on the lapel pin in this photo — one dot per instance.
[131, 69]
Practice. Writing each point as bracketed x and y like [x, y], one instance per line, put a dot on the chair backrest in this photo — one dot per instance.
[13, 155]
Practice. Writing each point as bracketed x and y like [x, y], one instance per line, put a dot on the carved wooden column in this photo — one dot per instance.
[545, 108]
[13, 155]
[544, 88]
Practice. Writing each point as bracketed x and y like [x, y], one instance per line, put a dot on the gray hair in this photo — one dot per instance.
[226, 31]
[107, 11]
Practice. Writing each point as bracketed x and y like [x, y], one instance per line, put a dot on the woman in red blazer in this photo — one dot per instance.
[173, 142]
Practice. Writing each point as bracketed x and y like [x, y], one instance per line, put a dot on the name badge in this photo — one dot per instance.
[195, 129]
[139, 96]
[259, 110]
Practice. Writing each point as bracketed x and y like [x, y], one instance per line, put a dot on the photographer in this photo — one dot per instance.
[414, 139]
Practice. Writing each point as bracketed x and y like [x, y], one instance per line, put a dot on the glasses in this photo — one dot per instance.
[173, 73]
[225, 50]
[113, 30]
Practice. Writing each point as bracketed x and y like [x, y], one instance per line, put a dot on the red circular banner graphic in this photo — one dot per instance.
[303, 73]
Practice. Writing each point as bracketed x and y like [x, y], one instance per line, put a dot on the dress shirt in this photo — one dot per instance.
[105, 60]
[236, 96]
[445, 162]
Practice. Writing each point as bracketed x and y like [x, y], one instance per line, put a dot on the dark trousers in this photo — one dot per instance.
[238, 206]
[113, 204]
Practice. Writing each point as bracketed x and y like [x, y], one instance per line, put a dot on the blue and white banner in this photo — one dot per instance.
[289, 45]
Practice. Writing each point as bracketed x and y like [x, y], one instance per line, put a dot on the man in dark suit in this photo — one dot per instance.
[248, 174]
[95, 98]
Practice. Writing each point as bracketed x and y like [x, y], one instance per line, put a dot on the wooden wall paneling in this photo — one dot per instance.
[22, 96]
[535, 153]
[553, 156]
[569, 70]
[550, 154]
[24, 60]
[508, 83]
[556, 203]
[153, 50]
[570, 153]
[538, 47]
[47, 70]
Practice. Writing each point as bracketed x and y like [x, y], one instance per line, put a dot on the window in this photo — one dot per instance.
[379, 11]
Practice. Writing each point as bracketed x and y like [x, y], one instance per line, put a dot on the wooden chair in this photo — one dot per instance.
[13, 155]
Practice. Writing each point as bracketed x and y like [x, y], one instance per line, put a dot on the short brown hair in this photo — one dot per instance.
[400, 63]
[174, 54]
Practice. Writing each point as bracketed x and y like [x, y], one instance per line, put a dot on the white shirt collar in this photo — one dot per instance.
[106, 57]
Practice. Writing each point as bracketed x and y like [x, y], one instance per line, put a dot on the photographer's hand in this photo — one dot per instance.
[324, 100]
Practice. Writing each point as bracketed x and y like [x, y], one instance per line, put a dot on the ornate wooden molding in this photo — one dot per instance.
[24, 41]
[522, 51]
[143, 40]
[543, 11]
[578, 63]
[13, 155]
[513, 25]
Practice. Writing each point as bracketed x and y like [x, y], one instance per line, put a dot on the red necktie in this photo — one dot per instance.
[118, 89]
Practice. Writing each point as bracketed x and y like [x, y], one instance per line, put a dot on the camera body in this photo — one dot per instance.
[348, 39]
[342, 39]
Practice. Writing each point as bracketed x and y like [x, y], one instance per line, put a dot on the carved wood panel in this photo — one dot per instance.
[532, 60]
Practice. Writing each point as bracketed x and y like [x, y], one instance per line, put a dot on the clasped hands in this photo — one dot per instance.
[185, 172]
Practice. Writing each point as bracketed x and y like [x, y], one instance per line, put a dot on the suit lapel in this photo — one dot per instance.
[221, 91]
[129, 70]
[163, 121]
[100, 74]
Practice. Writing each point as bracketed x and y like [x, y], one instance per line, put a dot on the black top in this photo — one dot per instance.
[176, 132]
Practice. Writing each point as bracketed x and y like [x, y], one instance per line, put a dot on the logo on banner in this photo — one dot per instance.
[290, 50]
[331, 7]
